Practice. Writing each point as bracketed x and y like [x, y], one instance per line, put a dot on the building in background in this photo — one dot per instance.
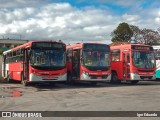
[6, 44]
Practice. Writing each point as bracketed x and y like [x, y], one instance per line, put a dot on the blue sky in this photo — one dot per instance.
[75, 20]
[116, 6]
[99, 4]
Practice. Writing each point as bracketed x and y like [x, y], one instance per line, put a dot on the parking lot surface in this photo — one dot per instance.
[145, 96]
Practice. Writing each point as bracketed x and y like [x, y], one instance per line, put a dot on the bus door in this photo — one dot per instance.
[126, 65]
[4, 66]
[26, 64]
[76, 64]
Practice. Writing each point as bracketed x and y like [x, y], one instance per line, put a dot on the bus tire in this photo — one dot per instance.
[8, 79]
[23, 82]
[114, 78]
[134, 82]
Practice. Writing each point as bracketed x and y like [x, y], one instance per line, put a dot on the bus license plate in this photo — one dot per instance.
[146, 79]
[99, 77]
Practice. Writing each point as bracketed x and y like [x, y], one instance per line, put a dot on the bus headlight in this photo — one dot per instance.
[85, 73]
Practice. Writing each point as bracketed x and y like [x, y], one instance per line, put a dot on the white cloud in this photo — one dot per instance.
[157, 20]
[57, 21]
[22, 3]
[62, 21]
[159, 12]
[130, 17]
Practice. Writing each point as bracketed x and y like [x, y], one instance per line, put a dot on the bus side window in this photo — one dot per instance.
[21, 55]
[115, 55]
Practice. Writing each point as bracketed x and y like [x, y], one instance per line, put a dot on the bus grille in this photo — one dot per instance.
[146, 70]
[143, 77]
[55, 78]
[95, 77]
[49, 79]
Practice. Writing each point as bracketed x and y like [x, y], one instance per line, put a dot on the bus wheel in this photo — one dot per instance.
[114, 78]
[8, 79]
[134, 82]
[23, 82]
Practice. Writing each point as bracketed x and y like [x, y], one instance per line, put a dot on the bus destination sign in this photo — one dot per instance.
[142, 47]
[48, 45]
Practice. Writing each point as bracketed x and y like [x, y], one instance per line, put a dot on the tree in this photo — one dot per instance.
[122, 33]
[158, 29]
[145, 36]
[136, 31]
[137, 34]
[150, 36]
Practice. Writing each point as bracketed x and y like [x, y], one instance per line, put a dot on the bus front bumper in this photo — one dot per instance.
[35, 78]
[142, 77]
[85, 77]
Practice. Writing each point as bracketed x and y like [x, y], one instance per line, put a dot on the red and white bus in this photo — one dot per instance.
[132, 62]
[88, 62]
[35, 61]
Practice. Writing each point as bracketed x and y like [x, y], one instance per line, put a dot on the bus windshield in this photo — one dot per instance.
[48, 58]
[143, 59]
[96, 58]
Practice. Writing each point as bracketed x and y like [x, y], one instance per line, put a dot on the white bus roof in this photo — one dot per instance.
[5, 52]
